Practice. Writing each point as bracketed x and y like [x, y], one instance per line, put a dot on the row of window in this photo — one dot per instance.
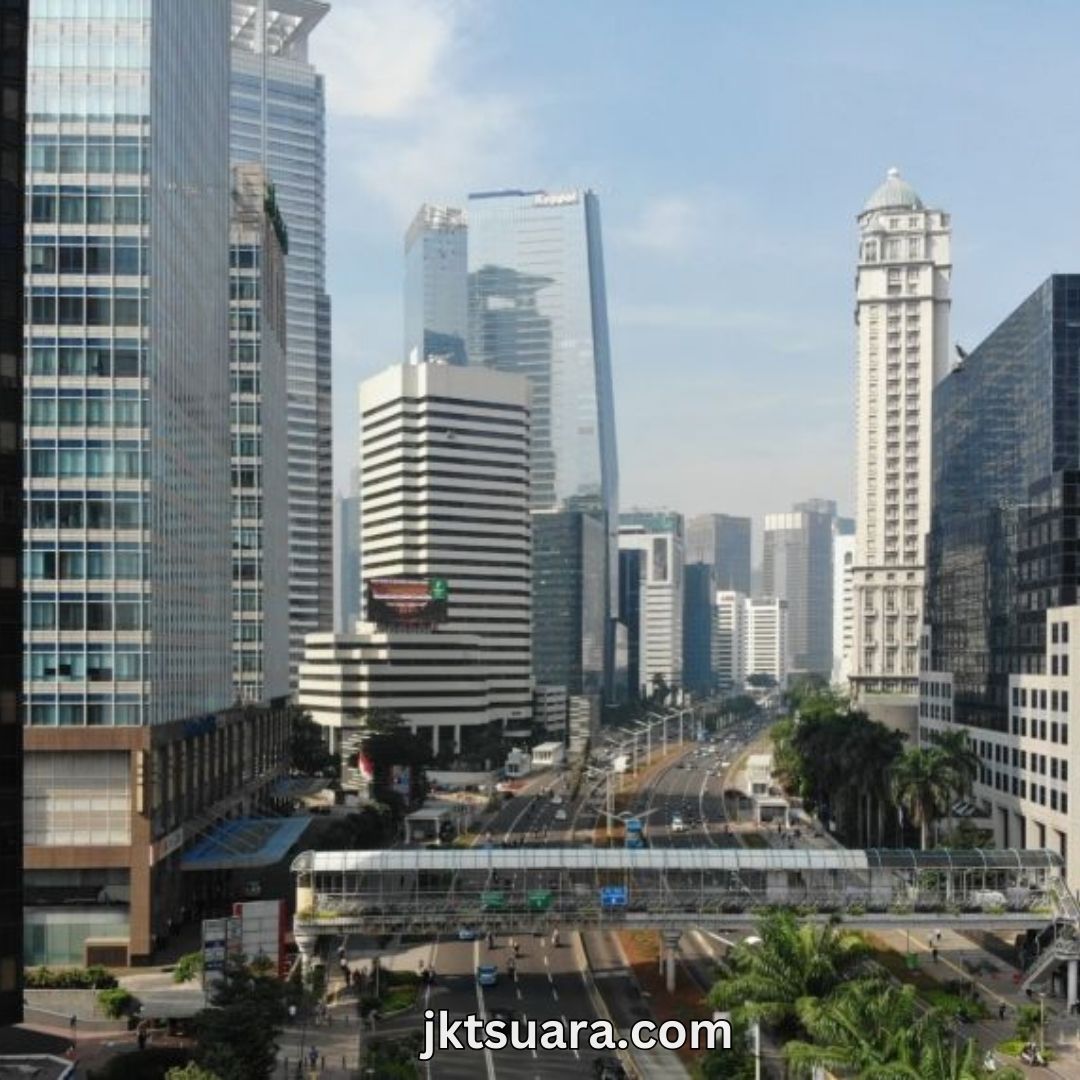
[1039, 699]
[95, 154]
[124, 462]
[1057, 732]
[78, 307]
[90, 713]
[126, 561]
[98, 510]
[86, 255]
[122, 358]
[95, 611]
[91, 411]
[73, 664]
[1058, 800]
[89, 206]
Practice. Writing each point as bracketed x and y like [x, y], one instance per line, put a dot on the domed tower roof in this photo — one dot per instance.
[894, 194]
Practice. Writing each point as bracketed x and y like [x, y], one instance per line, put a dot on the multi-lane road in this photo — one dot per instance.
[551, 982]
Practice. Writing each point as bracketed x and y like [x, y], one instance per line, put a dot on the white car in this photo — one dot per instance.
[561, 815]
[677, 824]
[556, 800]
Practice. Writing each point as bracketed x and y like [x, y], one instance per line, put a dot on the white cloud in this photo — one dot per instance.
[669, 226]
[406, 122]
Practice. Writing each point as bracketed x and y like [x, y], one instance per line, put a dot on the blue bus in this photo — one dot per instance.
[635, 833]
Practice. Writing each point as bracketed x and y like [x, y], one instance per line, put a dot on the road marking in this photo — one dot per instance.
[545, 954]
[489, 1060]
[554, 993]
[566, 1027]
[518, 990]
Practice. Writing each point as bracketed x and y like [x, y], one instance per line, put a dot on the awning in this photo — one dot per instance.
[245, 844]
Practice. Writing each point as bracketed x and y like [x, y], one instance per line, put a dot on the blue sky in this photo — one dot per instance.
[731, 145]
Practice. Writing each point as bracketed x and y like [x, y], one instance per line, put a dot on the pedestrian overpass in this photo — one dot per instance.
[534, 890]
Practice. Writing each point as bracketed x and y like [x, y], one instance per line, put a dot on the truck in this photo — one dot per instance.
[635, 833]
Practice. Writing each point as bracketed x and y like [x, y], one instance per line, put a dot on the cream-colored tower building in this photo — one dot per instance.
[902, 322]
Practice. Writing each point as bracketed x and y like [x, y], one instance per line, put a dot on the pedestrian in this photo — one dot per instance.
[1001, 1010]
[141, 1037]
[73, 1023]
[934, 953]
[937, 936]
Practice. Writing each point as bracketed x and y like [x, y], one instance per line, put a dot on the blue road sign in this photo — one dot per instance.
[613, 896]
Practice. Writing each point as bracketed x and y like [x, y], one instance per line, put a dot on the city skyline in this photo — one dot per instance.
[791, 195]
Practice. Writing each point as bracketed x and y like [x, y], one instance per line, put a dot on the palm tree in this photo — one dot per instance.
[922, 783]
[962, 760]
[788, 962]
[943, 1057]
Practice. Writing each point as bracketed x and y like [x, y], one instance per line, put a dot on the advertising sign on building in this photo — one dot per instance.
[403, 603]
[264, 925]
[222, 940]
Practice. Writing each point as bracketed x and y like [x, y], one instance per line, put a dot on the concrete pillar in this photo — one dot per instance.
[305, 945]
[670, 939]
[1071, 976]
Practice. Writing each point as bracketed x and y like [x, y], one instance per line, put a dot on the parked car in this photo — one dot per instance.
[487, 975]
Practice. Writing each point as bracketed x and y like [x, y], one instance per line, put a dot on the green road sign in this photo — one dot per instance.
[540, 900]
[439, 588]
[492, 901]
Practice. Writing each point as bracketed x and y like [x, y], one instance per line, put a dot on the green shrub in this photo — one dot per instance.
[188, 967]
[90, 978]
[116, 1002]
[154, 1063]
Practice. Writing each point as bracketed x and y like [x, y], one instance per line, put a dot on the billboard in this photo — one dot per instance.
[407, 602]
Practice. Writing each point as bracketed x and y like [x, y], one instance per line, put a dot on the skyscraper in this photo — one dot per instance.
[258, 242]
[436, 286]
[13, 34]
[730, 639]
[127, 543]
[843, 604]
[538, 307]
[798, 568]
[444, 495]
[699, 617]
[767, 647]
[1003, 583]
[347, 574]
[278, 120]
[658, 535]
[902, 321]
[722, 541]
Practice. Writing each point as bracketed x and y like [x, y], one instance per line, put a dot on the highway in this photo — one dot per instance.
[550, 981]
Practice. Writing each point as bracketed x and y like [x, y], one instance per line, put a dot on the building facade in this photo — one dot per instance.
[722, 541]
[699, 618]
[437, 286]
[902, 325]
[538, 307]
[569, 615]
[798, 568]
[843, 606]
[13, 37]
[444, 492]
[347, 574]
[129, 509]
[730, 640]
[278, 120]
[258, 242]
[658, 535]
[767, 647]
[631, 580]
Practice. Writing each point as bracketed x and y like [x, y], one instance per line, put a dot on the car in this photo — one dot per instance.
[487, 975]
[677, 824]
[556, 800]
[561, 815]
[467, 933]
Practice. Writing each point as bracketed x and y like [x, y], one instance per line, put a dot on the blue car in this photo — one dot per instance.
[487, 975]
[467, 933]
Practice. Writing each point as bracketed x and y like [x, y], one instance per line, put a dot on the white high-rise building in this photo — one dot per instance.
[843, 606]
[729, 639]
[444, 494]
[660, 636]
[902, 320]
[767, 648]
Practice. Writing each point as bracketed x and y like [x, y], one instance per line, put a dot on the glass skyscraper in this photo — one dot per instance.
[1001, 550]
[127, 539]
[538, 307]
[436, 286]
[278, 120]
[13, 20]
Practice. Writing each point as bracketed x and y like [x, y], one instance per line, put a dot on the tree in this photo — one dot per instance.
[661, 691]
[860, 1029]
[390, 742]
[188, 967]
[190, 1071]
[961, 760]
[307, 749]
[766, 979]
[922, 783]
[237, 1039]
[761, 679]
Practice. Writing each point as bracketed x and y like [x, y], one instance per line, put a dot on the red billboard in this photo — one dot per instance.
[407, 602]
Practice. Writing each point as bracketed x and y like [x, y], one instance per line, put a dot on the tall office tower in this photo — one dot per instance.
[13, 34]
[436, 286]
[658, 535]
[631, 579]
[258, 242]
[444, 497]
[722, 541]
[278, 120]
[767, 641]
[902, 322]
[843, 606]
[1002, 579]
[127, 545]
[538, 307]
[699, 617]
[347, 554]
[569, 615]
[798, 568]
[730, 639]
